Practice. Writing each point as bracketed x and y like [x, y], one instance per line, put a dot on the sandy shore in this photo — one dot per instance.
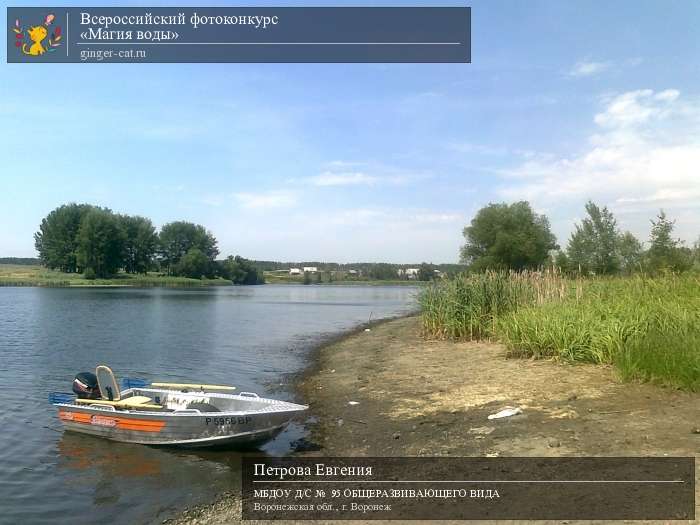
[414, 397]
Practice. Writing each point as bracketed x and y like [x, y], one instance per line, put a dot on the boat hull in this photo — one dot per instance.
[186, 429]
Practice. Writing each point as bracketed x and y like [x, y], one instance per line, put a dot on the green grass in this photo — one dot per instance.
[648, 328]
[30, 275]
[663, 360]
[468, 306]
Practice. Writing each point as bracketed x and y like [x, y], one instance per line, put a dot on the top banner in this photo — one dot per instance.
[40, 35]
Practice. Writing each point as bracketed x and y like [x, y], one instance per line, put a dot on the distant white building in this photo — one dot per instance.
[310, 269]
[411, 273]
[352, 272]
[294, 271]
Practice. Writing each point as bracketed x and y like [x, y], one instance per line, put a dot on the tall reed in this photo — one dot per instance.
[467, 306]
[648, 328]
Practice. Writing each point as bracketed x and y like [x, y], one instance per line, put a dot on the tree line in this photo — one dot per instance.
[82, 238]
[513, 236]
[24, 261]
[366, 270]
[380, 272]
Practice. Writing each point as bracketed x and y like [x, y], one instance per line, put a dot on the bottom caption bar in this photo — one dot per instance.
[468, 488]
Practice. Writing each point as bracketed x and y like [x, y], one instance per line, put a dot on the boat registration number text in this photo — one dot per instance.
[235, 420]
[103, 421]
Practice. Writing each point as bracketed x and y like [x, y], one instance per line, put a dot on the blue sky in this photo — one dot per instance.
[563, 101]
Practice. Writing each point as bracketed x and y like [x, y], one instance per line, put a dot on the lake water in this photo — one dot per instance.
[253, 337]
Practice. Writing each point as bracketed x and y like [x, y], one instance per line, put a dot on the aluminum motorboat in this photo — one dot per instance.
[178, 414]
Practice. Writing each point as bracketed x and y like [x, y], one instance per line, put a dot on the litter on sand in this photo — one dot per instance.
[353, 403]
[506, 412]
[482, 431]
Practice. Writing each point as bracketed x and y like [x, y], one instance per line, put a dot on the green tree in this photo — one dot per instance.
[593, 245]
[383, 272]
[661, 242]
[630, 252]
[140, 244]
[579, 252]
[56, 241]
[426, 272]
[665, 252]
[561, 261]
[510, 236]
[177, 238]
[240, 271]
[100, 241]
[194, 264]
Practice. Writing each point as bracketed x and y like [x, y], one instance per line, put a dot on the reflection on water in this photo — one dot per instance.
[252, 337]
[110, 473]
[85, 452]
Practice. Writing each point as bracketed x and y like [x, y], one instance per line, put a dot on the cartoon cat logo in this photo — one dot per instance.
[37, 35]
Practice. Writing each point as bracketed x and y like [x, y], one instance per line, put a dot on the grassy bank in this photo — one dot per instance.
[648, 328]
[33, 275]
[36, 275]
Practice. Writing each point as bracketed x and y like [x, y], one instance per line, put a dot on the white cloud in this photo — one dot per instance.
[342, 164]
[644, 156]
[329, 178]
[470, 148]
[662, 196]
[342, 173]
[266, 200]
[637, 107]
[436, 218]
[478, 149]
[382, 218]
[416, 218]
[668, 95]
[378, 219]
[587, 69]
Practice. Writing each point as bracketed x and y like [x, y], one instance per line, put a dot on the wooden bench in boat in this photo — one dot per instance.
[135, 402]
[192, 386]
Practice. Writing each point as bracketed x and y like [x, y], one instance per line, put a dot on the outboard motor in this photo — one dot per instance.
[85, 386]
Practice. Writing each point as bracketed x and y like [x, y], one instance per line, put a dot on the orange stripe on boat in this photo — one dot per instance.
[81, 418]
[141, 425]
[65, 415]
[156, 426]
[144, 425]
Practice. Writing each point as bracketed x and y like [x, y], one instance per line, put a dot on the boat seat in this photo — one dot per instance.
[136, 402]
[192, 386]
